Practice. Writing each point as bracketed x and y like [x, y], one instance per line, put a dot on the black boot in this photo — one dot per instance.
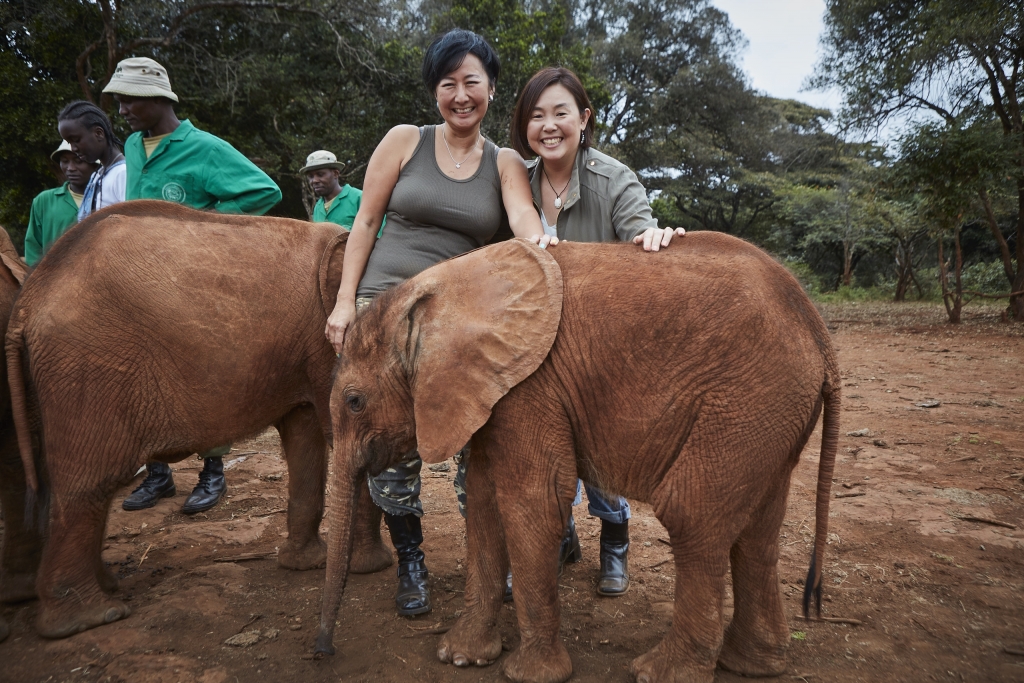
[158, 484]
[210, 488]
[413, 595]
[614, 578]
[570, 550]
[508, 587]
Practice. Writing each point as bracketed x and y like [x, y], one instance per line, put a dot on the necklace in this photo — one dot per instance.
[558, 195]
[458, 164]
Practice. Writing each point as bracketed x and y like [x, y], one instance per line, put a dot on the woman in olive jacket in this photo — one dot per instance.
[585, 196]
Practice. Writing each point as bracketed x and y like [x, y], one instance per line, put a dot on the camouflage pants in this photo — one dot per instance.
[396, 490]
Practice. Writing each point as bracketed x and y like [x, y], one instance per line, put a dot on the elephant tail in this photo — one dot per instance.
[826, 465]
[16, 380]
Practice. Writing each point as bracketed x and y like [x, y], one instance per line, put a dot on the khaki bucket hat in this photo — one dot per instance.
[64, 147]
[321, 159]
[140, 77]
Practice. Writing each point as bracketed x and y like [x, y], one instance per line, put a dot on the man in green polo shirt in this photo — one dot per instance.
[56, 210]
[337, 203]
[173, 160]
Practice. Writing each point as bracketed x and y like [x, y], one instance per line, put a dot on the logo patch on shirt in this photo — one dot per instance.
[173, 192]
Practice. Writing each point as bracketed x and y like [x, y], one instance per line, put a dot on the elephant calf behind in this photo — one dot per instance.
[150, 332]
[690, 379]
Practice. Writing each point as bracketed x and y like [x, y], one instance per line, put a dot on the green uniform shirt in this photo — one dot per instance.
[343, 209]
[53, 212]
[197, 169]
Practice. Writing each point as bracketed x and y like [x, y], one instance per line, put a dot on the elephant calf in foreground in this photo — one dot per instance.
[151, 332]
[690, 379]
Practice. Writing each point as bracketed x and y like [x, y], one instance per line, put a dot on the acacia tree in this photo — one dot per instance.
[945, 58]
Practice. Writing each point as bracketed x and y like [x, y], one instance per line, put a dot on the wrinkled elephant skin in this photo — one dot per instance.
[690, 379]
[150, 332]
[22, 544]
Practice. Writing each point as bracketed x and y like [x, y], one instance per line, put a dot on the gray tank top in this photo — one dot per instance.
[432, 217]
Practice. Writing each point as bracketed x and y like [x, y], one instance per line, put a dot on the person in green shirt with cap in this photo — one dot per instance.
[336, 203]
[54, 211]
[173, 160]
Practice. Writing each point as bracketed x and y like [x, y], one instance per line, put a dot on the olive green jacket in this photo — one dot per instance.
[603, 203]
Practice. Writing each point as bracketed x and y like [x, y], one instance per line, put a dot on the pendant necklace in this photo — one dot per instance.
[558, 195]
[458, 164]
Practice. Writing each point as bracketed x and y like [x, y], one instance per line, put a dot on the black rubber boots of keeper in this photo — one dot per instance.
[413, 594]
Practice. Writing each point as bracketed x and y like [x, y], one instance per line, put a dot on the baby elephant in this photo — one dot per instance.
[151, 332]
[690, 379]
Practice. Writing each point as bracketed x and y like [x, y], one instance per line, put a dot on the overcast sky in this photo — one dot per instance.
[783, 45]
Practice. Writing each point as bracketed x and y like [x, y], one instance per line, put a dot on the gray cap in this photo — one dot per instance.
[321, 159]
[140, 77]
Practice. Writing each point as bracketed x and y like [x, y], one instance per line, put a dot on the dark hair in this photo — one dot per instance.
[447, 52]
[541, 81]
[91, 117]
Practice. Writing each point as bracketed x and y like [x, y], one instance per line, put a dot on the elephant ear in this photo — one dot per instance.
[9, 256]
[474, 327]
[330, 270]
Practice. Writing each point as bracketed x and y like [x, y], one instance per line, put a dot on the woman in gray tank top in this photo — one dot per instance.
[443, 189]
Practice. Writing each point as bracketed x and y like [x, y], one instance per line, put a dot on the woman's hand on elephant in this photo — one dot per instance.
[544, 240]
[655, 239]
[338, 322]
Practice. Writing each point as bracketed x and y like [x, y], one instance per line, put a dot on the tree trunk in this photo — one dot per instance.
[953, 300]
[1016, 307]
[847, 264]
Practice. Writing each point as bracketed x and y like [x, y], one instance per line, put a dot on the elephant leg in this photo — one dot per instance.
[474, 639]
[757, 638]
[23, 543]
[369, 554]
[305, 451]
[699, 518]
[535, 495]
[71, 598]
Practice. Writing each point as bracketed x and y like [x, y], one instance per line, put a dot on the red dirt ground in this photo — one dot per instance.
[939, 597]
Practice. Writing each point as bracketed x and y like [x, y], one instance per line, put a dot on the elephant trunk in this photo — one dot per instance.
[340, 518]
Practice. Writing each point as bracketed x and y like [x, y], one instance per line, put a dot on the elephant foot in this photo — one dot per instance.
[106, 579]
[467, 643]
[658, 667]
[4, 630]
[538, 663]
[752, 657]
[312, 555]
[370, 557]
[17, 587]
[69, 617]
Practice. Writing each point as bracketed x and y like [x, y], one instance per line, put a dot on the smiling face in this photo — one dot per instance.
[462, 95]
[324, 182]
[76, 170]
[555, 124]
[90, 144]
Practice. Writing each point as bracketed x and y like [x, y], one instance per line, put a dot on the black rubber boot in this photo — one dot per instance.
[413, 594]
[570, 550]
[614, 578]
[158, 484]
[508, 587]
[210, 488]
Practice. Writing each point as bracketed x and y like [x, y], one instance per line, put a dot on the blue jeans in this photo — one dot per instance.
[614, 510]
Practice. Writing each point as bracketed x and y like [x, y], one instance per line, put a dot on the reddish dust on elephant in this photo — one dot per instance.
[936, 593]
[690, 379]
[151, 332]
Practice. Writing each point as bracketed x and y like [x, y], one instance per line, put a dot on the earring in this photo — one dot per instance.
[583, 137]
[438, 105]
[491, 98]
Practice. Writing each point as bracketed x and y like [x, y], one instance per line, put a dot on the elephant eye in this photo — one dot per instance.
[355, 402]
